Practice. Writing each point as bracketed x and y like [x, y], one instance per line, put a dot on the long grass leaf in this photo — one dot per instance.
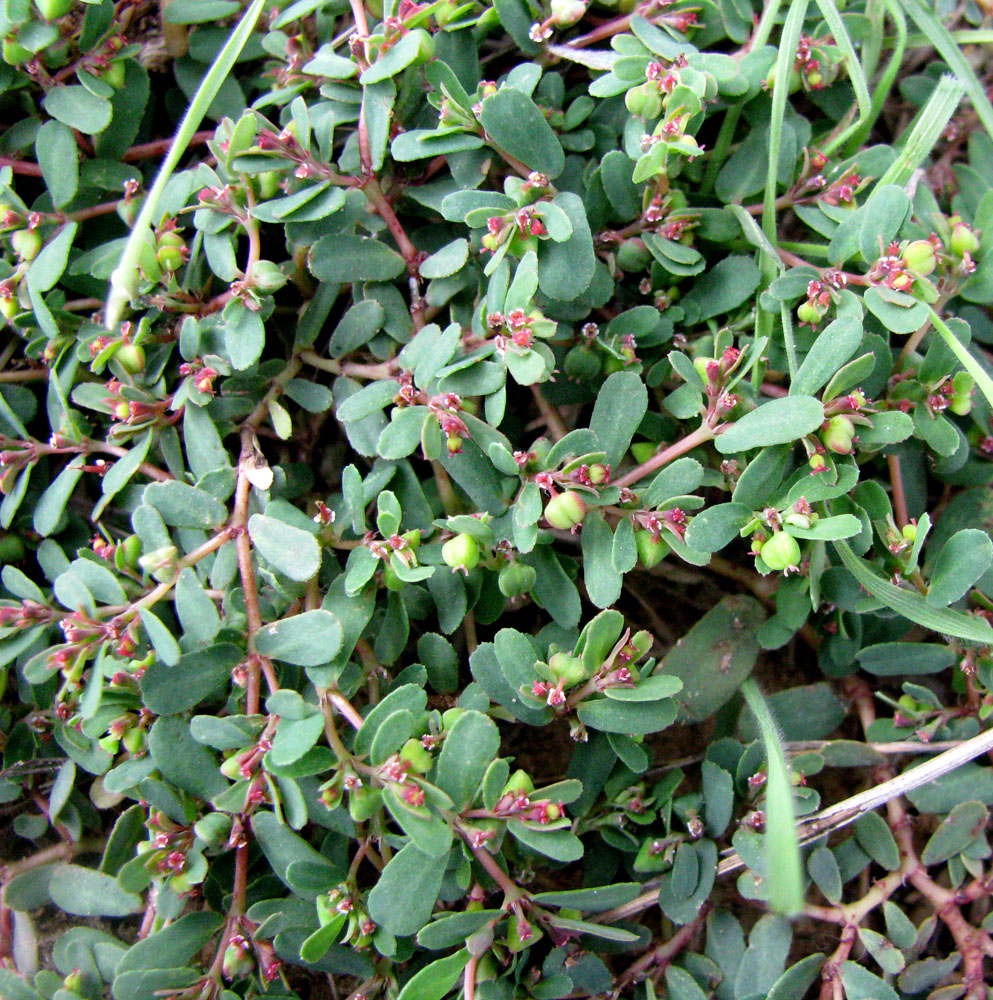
[940, 37]
[124, 280]
[783, 871]
[855, 72]
[912, 605]
[925, 131]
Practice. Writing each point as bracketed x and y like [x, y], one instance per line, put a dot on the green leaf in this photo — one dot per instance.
[165, 646]
[244, 334]
[565, 270]
[395, 60]
[283, 848]
[307, 640]
[50, 505]
[797, 980]
[724, 287]
[453, 928]
[885, 213]
[715, 527]
[77, 108]
[967, 783]
[835, 344]
[913, 606]
[653, 688]
[469, 748]
[198, 11]
[963, 559]
[627, 717]
[960, 827]
[892, 659]
[85, 892]
[169, 690]
[897, 312]
[402, 900]
[861, 984]
[681, 478]
[196, 611]
[436, 979]
[620, 406]
[340, 258]
[875, 838]
[715, 656]
[184, 506]
[291, 551]
[125, 469]
[58, 157]
[595, 900]
[603, 581]
[173, 945]
[515, 125]
[446, 261]
[294, 737]
[13, 987]
[778, 421]
[559, 845]
[182, 761]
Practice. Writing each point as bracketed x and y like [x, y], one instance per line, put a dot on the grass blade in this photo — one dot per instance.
[965, 359]
[940, 37]
[783, 872]
[855, 71]
[124, 280]
[925, 131]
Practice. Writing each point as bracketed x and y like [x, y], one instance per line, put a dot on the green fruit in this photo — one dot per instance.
[461, 552]
[565, 511]
[963, 240]
[567, 668]
[909, 532]
[838, 434]
[136, 740]
[651, 551]
[807, 312]
[781, 552]
[131, 357]
[919, 256]
[516, 579]
[51, 9]
[633, 256]
[26, 243]
[267, 277]
[170, 258]
[416, 756]
[364, 802]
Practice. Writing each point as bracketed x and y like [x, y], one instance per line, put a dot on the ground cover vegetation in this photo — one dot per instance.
[498, 503]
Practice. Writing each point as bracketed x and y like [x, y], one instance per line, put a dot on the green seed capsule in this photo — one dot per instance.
[461, 552]
[565, 511]
[781, 552]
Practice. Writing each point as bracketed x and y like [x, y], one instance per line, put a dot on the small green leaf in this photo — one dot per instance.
[292, 551]
[778, 421]
[959, 829]
[76, 107]
[339, 258]
[85, 892]
[185, 506]
[861, 984]
[627, 717]
[469, 748]
[307, 640]
[48, 510]
[514, 123]
[963, 559]
[402, 900]
[436, 979]
[620, 406]
[559, 845]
